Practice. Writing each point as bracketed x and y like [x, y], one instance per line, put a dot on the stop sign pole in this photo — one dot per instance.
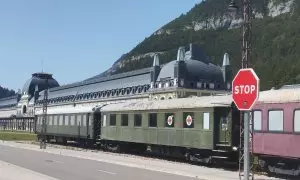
[245, 92]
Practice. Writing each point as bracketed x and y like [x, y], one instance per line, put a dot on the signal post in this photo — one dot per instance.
[245, 92]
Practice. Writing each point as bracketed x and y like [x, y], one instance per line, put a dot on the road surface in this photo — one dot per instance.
[72, 168]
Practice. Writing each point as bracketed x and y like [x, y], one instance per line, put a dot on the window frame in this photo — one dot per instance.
[268, 120]
[72, 123]
[110, 120]
[167, 114]
[294, 111]
[50, 120]
[135, 120]
[78, 120]
[261, 120]
[184, 116]
[150, 120]
[209, 128]
[124, 120]
[60, 120]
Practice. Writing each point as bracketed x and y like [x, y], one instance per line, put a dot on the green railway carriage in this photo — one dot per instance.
[69, 123]
[205, 127]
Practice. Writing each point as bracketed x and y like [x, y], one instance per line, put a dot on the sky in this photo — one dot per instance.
[75, 39]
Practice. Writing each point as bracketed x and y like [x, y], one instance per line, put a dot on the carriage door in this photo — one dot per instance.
[222, 127]
[97, 124]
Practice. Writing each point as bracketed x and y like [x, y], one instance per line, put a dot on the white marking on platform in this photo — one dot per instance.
[112, 173]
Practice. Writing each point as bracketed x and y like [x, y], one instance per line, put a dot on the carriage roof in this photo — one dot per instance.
[68, 110]
[180, 103]
[279, 96]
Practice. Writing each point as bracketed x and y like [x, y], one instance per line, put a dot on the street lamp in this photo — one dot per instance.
[245, 130]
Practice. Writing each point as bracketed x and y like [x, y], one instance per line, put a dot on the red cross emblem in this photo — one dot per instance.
[170, 120]
[189, 120]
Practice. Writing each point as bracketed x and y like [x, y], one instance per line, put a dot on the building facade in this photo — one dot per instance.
[190, 74]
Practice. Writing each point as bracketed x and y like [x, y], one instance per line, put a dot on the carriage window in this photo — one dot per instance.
[104, 121]
[55, 119]
[152, 120]
[169, 119]
[112, 120]
[124, 120]
[276, 120]
[206, 121]
[79, 123]
[84, 120]
[72, 120]
[67, 119]
[91, 119]
[137, 120]
[297, 121]
[61, 117]
[50, 119]
[257, 120]
[188, 119]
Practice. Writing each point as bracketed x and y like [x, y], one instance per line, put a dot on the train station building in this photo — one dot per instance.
[190, 74]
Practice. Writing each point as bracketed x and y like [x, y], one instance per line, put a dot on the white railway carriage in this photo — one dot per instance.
[80, 123]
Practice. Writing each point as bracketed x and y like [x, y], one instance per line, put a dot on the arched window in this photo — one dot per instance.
[24, 109]
[128, 90]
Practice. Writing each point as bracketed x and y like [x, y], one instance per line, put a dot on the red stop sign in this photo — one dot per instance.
[245, 89]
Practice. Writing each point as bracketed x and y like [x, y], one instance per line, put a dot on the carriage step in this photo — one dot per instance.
[218, 150]
[223, 145]
[219, 157]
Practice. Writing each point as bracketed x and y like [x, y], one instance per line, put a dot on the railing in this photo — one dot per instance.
[26, 124]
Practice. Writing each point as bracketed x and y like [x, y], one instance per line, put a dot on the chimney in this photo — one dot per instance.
[227, 72]
[180, 68]
[155, 70]
[180, 54]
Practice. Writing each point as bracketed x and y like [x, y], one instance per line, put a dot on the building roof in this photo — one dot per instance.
[7, 113]
[9, 101]
[95, 85]
[38, 79]
[181, 103]
[196, 70]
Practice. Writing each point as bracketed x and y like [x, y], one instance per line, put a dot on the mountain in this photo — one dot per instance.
[275, 39]
[4, 92]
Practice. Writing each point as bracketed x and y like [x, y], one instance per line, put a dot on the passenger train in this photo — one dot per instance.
[205, 129]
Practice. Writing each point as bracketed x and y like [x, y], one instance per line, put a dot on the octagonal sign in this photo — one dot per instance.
[245, 89]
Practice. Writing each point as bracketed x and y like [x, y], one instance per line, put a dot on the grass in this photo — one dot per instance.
[17, 136]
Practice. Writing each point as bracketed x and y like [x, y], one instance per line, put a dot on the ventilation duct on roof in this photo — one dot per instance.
[226, 60]
[156, 60]
[180, 54]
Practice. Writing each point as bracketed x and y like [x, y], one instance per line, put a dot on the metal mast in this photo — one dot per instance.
[246, 121]
[44, 121]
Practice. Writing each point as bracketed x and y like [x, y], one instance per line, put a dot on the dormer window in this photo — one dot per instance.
[128, 90]
[160, 85]
[167, 84]
[199, 84]
[181, 82]
[175, 82]
[140, 89]
[191, 84]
